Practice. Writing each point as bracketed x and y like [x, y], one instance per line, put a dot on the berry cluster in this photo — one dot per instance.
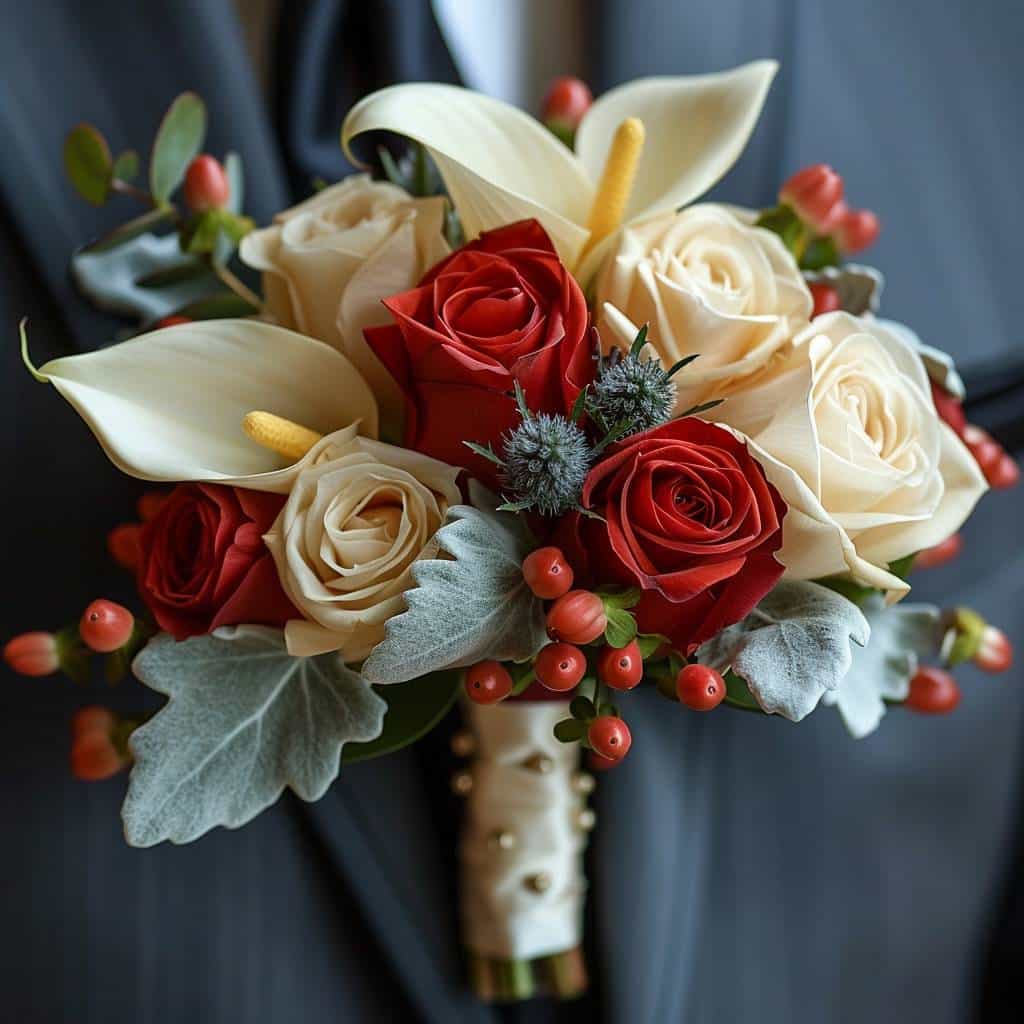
[594, 646]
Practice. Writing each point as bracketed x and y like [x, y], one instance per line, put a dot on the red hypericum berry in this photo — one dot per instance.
[94, 757]
[206, 184]
[33, 654]
[566, 102]
[487, 682]
[995, 654]
[1004, 474]
[621, 668]
[826, 298]
[124, 543]
[987, 451]
[700, 687]
[857, 230]
[577, 617]
[106, 626]
[950, 409]
[940, 554]
[597, 763]
[93, 719]
[560, 667]
[150, 504]
[547, 573]
[173, 321]
[933, 691]
[816, 194]
[610, 737]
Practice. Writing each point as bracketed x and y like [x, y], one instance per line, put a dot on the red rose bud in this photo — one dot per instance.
[932, 558]
[206, 185]
[700, 687]
[933, 691]
[33, 654]
[125, 545]
[577, 617]
[487, 682]
[950, 410]
[172, 321]
[547, 573]
[621, 668]
[816, 194]
[94, 757]
[856, 230]
[610, 737]
[93, 719]
[560, 667]
[106, 626]
[994, 653]
[566, 102]
[826, 298]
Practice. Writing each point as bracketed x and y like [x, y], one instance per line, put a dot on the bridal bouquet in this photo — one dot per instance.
[516, 421]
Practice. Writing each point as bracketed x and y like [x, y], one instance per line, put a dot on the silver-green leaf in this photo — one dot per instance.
[472, 605]
[793, 647]
[244, 720]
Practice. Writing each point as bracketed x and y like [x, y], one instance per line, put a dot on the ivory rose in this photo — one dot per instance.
[329, 261]
[359, 514]
[707, 282]
[846, 430]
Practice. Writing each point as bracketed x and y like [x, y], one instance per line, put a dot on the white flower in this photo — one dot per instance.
[706, 282]
[846, 429]
[328, 262]
[359, 514]
[500, 165]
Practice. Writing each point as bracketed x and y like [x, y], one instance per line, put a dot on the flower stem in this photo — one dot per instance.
[236, 285]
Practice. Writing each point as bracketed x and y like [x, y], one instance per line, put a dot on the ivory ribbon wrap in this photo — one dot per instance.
[524, 834]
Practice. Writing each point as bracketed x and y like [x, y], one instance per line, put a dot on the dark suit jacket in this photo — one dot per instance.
[743, 869]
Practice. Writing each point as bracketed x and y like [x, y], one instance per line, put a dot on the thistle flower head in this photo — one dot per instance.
[636, 391]
[546, 459]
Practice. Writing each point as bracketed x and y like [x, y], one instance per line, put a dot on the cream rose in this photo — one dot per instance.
[360, 513]
[846, 430]
[329, 261]
[708, 282]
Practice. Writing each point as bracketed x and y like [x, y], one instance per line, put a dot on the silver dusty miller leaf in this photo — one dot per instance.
[244, 720]
[882, 670]
[859, 287]
[472, 605]
[793, 647]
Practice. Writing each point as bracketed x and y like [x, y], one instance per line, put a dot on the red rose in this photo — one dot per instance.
[500, 309]
[690, 518]
[204, 563]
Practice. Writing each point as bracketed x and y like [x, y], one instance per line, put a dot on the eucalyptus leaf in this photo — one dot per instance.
[244, 720]
[414, 708]
[793, 647]
[88, 163]
[120, 280]
[177, 143]
[472, 605]
[126, 166]
[882, 670]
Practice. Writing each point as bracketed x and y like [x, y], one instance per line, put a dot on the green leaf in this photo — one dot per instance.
[244, 720]
[472, 605]
[130, 230]
[486, 451]
[649, 643]
[820, 252]
[609, 709]
[696, 410]
[579, 406]
[225, 304]
[236, 182]
[681, 364]
[570, 730]
[902, 566]
[188, 270]
[88, 164]
[126, 166]
[414, 708]
[738, 695]
[200, 232]
[621, 627]
[620, 598]
[639, 341]
[792, 648]
[177, 143]
[391, 169]
[582, 708]
[851, 590]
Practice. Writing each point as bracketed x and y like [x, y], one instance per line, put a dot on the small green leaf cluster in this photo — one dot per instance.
[812, 251]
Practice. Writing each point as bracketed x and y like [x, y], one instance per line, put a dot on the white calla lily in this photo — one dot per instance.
[500, 165]
[169, 405]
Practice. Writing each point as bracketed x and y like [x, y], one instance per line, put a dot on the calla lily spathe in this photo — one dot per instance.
[501, 166]
[169, 405]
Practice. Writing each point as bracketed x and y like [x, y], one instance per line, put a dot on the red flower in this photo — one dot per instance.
[204, 564]
[690, 518]
[500, 309]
